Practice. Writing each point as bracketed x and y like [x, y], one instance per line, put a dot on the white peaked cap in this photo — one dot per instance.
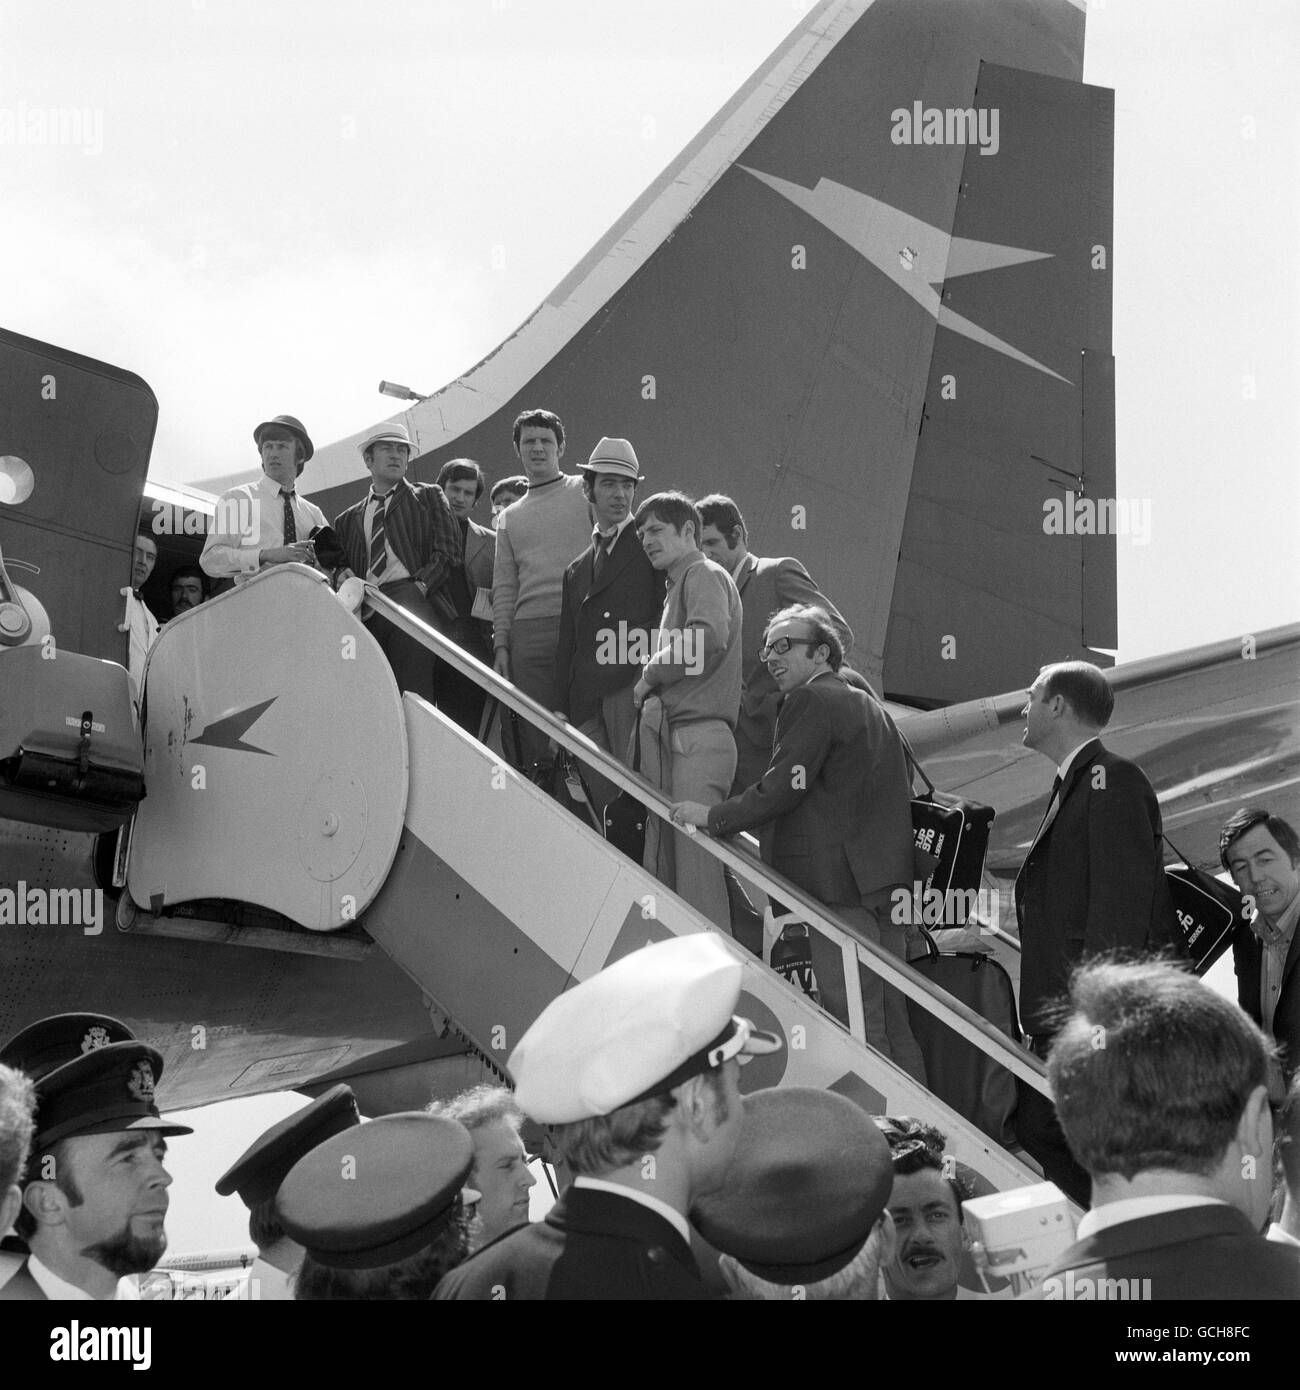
[660, 1015]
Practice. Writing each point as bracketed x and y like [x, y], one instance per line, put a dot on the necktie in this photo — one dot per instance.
[602, 556]
[1056, 791]
[378, 545]
[290, 530]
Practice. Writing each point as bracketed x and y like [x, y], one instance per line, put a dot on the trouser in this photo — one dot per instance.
[610, 728]
[412, 663]
[1040, 1132]
[884, 1008]
[687, 762]
[459, 698]
[532, 670]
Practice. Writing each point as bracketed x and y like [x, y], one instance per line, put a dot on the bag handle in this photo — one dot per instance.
[914, 767]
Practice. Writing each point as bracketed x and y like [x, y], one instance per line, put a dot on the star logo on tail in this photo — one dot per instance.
[228, 731]
[917, 257]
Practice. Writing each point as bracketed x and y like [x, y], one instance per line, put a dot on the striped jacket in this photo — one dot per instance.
[420, 528]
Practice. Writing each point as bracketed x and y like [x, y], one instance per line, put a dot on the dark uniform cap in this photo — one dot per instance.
[379, 1192]
[258, 1172]
[50, 1042]
[294, 426]
[809, 1179]
[108, 1090]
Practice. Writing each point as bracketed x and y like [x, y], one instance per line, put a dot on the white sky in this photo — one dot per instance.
[290, 202]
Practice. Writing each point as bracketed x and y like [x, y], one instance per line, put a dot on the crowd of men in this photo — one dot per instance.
[681, 1189]
[723, 678]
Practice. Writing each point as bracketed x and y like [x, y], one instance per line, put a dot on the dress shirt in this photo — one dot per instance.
[1064, 768]
[259, 509]
[395, 569]
[60, 1291]
[1275, 938]
[144, 630]
[669, 1214]
[1135, 1208]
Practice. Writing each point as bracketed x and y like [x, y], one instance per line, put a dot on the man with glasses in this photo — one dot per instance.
[838, 796]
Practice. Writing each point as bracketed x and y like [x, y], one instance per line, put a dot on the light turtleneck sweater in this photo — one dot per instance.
[537, 538]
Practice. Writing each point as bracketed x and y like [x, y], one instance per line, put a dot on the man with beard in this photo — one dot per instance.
[189, 588]
[95, 1199]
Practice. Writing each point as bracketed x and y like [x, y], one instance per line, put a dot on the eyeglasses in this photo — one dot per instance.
[783, 645]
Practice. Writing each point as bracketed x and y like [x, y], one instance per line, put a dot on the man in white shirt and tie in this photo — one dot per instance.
[265, 523]
[141, 623]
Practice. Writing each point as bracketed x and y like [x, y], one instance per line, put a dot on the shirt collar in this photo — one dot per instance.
[1063, 769]
[373, 496]
[59, 1290]
[679, 567]
[1274, 933]
[1135, 1208]
[616, 533]
[669, 1214]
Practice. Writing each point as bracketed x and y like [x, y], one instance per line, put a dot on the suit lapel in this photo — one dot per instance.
[616, 562]
[1083, 760]
[745, 572]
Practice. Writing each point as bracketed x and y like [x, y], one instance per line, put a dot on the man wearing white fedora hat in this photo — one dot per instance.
[403, 538]
[611, 604]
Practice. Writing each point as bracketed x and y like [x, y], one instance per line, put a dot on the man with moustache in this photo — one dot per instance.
[189, 588]
[403, 538]
[265, 523]
[95, 1197]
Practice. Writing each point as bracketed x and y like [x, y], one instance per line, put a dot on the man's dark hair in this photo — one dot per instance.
[1152, 1069]
[518, 484]
[17, 1109]
[145, 529]
[1084, 688]
[1244, 821]
[463, 471]
[542, 420]
[264, 1228]
[674, 509]
[25, 1224]
[720, 511]
[411, 1279]
[589, 484]
[822, 631]
[917, 1147]
[189, 572]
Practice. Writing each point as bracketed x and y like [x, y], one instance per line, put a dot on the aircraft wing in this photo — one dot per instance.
[1214, 728]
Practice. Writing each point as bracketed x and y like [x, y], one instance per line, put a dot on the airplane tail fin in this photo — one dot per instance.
[871, 302]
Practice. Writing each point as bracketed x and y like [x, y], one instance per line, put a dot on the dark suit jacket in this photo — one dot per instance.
[591, 1245]
[837, 789]
[764, 586]
[1093, 880]
[20, 1287]
[480, 555]
[631, 591]
[420, 527]
[1198, 1253]
[1248, 959]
